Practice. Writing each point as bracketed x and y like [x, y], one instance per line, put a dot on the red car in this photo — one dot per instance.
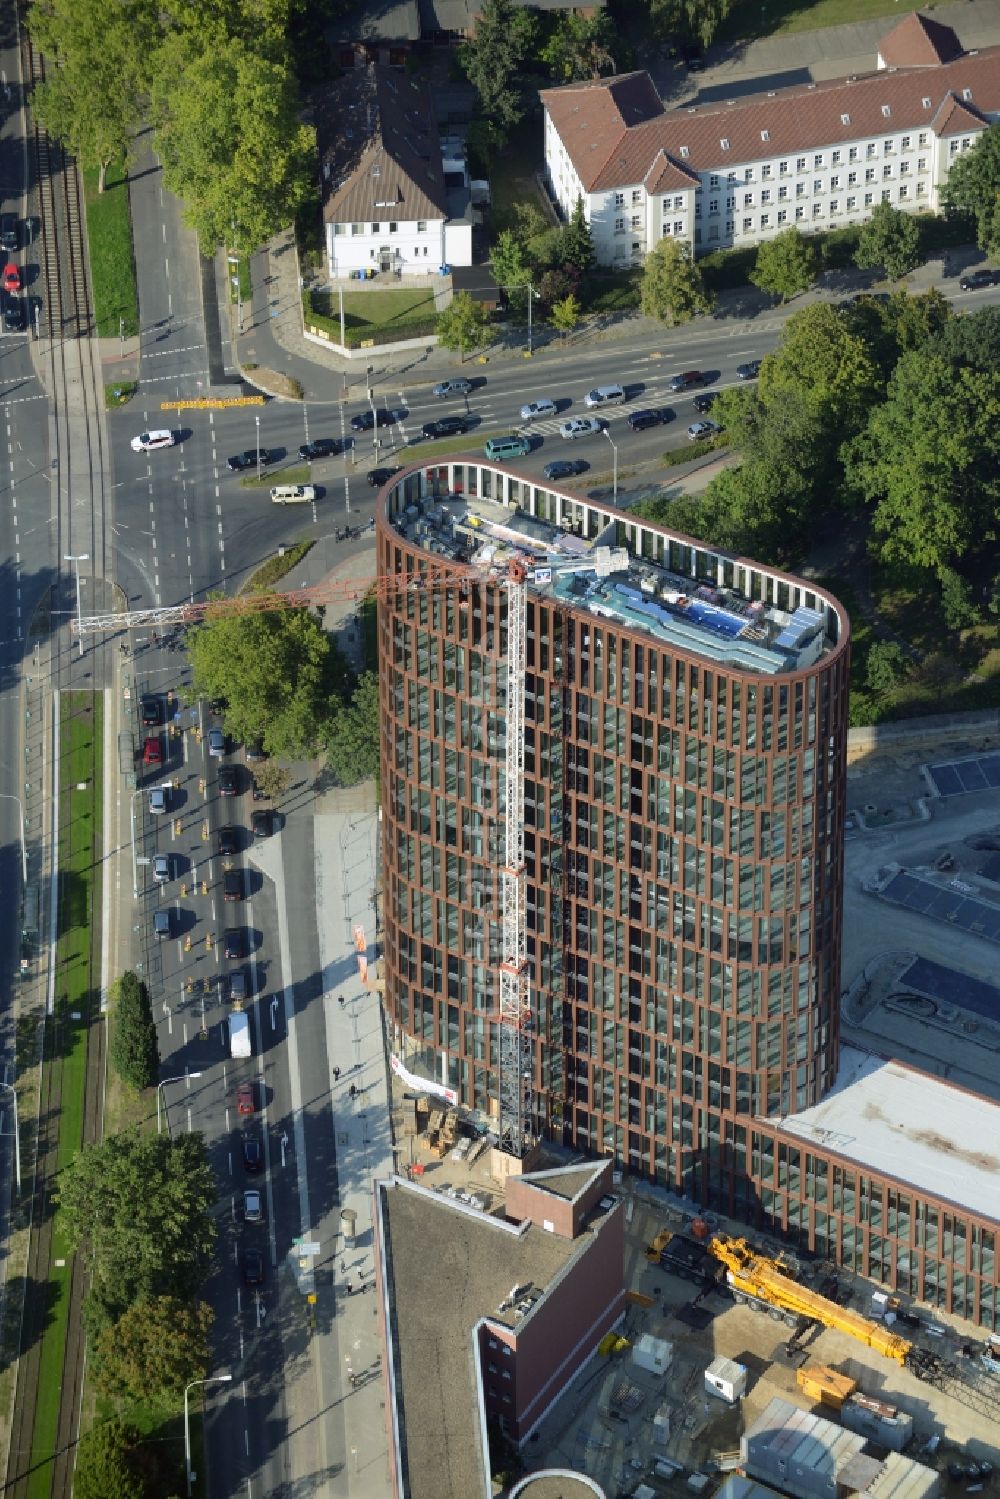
[11, 277]
[244, 1098]
[152, 751]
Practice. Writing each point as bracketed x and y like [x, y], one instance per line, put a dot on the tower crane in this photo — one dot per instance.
[514, 1016]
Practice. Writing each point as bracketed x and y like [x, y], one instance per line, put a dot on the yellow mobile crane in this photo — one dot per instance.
[756, 1280]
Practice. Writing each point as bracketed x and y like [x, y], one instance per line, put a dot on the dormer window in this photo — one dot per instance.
[765, 135]
[926, 103]
[724, 143]
[967, 93]
[886, 111]
[684, 151]
[845, 119]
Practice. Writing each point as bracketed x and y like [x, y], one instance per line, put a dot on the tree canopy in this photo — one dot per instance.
[831, 366]
[133, 1047]
[890, 239]
[155, 1348]
[506, 36]
[139, 1207]
[580, 47]
[785, 265]
[463, 325]
[672, 287]
[353, 735]
[276, 671]
[106, 1463]
[973, 188]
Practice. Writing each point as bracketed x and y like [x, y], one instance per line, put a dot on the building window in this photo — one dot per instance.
[852, 204]
[729, 228]
[782, 215]
[713, 181]
[817, 186]
[886, 111]
[393, 228]
[747, 225]
[619, 200]
[664, 228]
[904, 169]
[339, 229]
[748, 175]
[845, 119]
[904, 144]
[637, 221]
[678, 226]
[678, 202]
[697, 210]
[713, 232]
[619, 226]
[834, 183]
[421, 226]
[888, 148]
[724, 143]
[636, 248]
[800, 189]
[817, 210]
[852, 154]
[870, 150]
[921, 189]
[731, 179]
[887, 172]
[357, 229]
[869, 174]
[765, 135]
[800, 212]
[921, 163]
[782, 193]
[835, 159]
[953, 148]
[748, 200]
[868, 200]
[967, 94]
[966, 142]
[685, 152]
[800, 163]
[636, 195]
[904, 191]
[375, 228]
[765, 170]
[730, 203]
[922, 137]
[852, 179]
[817, 161]
[834, 205]
[765, 220]
[713, 205]
[765, 196]
[886, 195]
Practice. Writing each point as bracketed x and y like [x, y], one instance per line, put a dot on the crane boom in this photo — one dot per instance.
[756, 1276]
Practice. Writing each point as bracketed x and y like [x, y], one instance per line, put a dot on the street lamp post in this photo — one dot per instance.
[76, 560]
[257, 420]
[182, 1077]
[8, 796]
[17, 1139]
[614, 482]
[531, 298]
[213, 1379]
[135, 862]
[371, 402]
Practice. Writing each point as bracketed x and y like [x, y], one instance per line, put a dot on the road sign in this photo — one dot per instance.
[304, 1247]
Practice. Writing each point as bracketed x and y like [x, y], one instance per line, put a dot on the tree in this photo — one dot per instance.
[885, 668]
[505, 36]
[890, 239]
[699, 19]
[827, 364]
[577, 245]
[273, 779]
[929, 461]
[154, 1349]
[274, 669]
[956, 599]
[971, 340]
[672, 287]
[785, 265]
[139, 1207]
[106, 1465]
[133, 1048]
[565, 315]
[353, 734]
[580, 47]
[98, 57]
[232, 145]
[464, 325]
[508, 261]
[973, 188]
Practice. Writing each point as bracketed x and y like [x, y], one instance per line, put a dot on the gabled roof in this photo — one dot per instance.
[666, 175]
[711, 137]
[954, 117]
[918, 42]
[390, 21]
[379, 150]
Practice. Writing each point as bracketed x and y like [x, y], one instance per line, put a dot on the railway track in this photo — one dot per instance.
[70, 359]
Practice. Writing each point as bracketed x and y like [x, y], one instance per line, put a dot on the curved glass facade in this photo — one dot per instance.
[685, 732]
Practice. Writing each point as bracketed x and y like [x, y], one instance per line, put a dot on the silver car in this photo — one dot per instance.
[459, 387]
[533, 409]
[161, 868]
[253, 1210]
[580, 426]
[216, 743]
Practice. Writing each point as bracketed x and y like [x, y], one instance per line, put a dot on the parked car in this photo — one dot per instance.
[253, 1207]
[216, 743]
[11, 277]
[253, 1267]
[232, 884]
[152, 750]
[161, 868]
[688, 381]
[542, 407]
[324, 447]
[238, 986]
[10, 233]
[248, 459]
[151, 712]
[446, 426]
[706, 401]
[244, 1098]
[976, 280]
[159, 799]
[262, 822]
[162, 924]
[700, 430]
[227, 780]
[580, 426]
[253, 1156]
[565, 468]
[14, 317]
[233, 942]
[750, 370]
[457, 387]
[225, 842]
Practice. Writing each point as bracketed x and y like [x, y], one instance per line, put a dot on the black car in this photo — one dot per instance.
[232, 884]
[687, 381]
[565, 468]
[234, 942]
[324, 447]
[705, 402]
[379, 476]
[10, 233]
[226, 842]
[975, 280]
[14, 317]
[253, 1156]
[248, 459]
[253, 1265]
[238, 986]
[259, 795]
[262, 822]
[639, 420]
[447, 426]
[152, 712]
[364, 421]
[227, 780]
[748, 371]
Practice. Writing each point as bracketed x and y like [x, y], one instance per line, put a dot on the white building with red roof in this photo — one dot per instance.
[815, 155]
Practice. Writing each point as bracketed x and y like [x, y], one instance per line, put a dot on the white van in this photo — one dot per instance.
[605, 395]
[147, 441]
[293, 494]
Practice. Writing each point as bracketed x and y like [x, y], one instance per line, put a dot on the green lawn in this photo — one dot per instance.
[77, 992]
[511, 173]
[751, 20]
[109, 233]
[380, 316]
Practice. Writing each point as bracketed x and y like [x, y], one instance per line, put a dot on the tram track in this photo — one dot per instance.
[68, 359]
